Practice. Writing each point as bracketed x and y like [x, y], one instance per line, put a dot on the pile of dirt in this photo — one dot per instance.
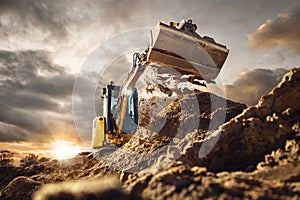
[245, 139]
[271, 180]
[264, 139]
[20, 187]
[277, 177]
[21, 181]
[172, 112]
[171, 132]
[253, 154]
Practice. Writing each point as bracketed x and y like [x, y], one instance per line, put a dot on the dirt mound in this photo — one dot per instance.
[20, 187]
[276, 177]
[172, 112]
[256, 156]
[263, 139]
[19, 182]
[245, 139]
[171, 132]
[182, 182]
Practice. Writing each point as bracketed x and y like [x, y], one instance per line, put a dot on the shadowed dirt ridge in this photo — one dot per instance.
[256, 156]
[245, 139]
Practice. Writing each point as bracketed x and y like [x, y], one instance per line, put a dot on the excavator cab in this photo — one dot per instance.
[105, 125]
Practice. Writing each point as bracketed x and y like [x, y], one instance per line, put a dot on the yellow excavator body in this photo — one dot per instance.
[98, 136]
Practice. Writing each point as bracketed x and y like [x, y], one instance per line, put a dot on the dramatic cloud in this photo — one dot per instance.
[29, 13]
[59, 18]
[33, 91]
[282, 31]
[251, 85]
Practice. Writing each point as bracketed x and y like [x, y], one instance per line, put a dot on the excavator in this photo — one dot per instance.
[176, 46]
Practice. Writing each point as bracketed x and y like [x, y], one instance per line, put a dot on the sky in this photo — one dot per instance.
[46, 44]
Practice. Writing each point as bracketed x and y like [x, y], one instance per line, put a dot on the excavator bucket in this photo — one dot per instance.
[178, 46]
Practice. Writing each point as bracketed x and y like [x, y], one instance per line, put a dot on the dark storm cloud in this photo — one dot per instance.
[37, 14]
[56, 17]
[282, 31]
[67, 17]
[11, 132]
[33, 71]
[251, 85]
[32, 89]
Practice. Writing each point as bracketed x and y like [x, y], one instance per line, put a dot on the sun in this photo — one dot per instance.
[64, 149]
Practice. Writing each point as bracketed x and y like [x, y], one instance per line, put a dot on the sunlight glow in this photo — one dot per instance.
[65, 149]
